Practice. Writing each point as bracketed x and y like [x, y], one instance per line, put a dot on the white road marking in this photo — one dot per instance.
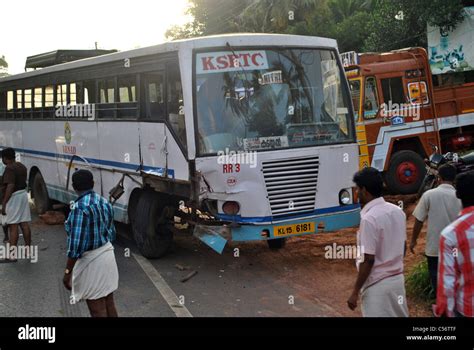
[162, 287]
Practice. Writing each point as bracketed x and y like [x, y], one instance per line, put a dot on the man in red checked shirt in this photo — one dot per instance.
[455, 296]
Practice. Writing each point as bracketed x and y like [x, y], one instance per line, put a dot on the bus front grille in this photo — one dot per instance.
[291, 184]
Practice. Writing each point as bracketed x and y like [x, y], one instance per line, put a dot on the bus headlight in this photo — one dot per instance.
[344, 197]
[231, 208]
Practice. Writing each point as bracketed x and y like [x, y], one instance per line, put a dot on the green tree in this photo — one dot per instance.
[344, 9]
[389, 33]
[351, 32]
[275, 16]
[360, 25]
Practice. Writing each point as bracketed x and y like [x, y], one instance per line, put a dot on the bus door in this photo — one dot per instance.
[163, 144]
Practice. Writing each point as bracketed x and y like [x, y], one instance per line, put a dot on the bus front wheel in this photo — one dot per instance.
[276, 243]
[40, 194]
[405, 173]
[153, 238]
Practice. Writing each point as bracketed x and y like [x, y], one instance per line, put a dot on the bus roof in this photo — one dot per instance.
[240, 39]
[52, 58]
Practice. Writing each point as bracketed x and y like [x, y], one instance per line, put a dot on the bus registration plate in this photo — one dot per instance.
[295, 229]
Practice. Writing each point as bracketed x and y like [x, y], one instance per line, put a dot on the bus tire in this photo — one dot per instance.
[152, 238]
[132, 205]
[276, 243]
[405, 173]
[40, 194]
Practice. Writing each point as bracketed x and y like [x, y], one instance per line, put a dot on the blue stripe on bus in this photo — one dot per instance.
[59, 194]
[255, 219]
[74, 195]
[110, 163]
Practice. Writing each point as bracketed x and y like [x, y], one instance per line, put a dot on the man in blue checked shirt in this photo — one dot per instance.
[91, 271]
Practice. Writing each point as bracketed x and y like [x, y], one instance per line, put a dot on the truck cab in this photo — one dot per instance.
[400, 116]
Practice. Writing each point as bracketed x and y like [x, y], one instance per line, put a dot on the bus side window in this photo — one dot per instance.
[155, 95]
[370, 98]
[392, 89]
[61, 95]
[38, 99]
[127, 94]
[10, 102]
[106, 97]
[107, 91]
[73, 93]
[38, 102]
[49, 96]
[3, 104]
[175, 103]
[7, 104]
[27, 95]
[19, 99]
[89, 92]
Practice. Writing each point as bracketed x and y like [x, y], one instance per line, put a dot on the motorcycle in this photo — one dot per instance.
[462, 163]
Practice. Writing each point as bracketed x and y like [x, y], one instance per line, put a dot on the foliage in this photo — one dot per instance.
[360, 25]
[418, 282]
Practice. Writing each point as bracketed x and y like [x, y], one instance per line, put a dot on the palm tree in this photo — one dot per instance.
[273, 15]
[343, 9]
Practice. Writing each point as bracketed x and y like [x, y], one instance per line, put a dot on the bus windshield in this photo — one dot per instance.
[270, 99]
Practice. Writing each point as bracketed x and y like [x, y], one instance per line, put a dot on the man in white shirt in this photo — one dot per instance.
[382, 240]
[441, 207]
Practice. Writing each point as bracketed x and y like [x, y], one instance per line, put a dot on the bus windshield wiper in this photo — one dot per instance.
[245, 81]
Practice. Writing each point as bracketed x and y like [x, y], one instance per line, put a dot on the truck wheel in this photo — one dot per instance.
[276, 243]
[40, 194]
[153, 239]
[405, 173]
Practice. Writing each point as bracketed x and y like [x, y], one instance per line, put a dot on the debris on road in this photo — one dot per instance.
[181, 267]
[189, 276]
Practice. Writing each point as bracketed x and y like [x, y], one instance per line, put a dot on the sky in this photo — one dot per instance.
[30, 27]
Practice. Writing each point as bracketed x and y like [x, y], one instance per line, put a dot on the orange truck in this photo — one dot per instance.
[401, 114]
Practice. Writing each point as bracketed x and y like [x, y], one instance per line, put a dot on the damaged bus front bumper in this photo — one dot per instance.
[265, 228]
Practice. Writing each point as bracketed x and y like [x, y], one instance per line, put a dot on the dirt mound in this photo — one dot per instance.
[53, 218]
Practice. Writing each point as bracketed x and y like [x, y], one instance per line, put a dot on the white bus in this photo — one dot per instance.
[237, 137]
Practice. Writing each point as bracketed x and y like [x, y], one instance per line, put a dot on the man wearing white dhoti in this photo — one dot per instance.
[91, 271]
[382, 241]
[15, 206]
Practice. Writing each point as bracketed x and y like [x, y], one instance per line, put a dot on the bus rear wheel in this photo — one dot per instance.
[40, 194]
[153, 238]
[405, 173]
[276, 243]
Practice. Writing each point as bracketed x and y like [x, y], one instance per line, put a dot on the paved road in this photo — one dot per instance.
[254, 284]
